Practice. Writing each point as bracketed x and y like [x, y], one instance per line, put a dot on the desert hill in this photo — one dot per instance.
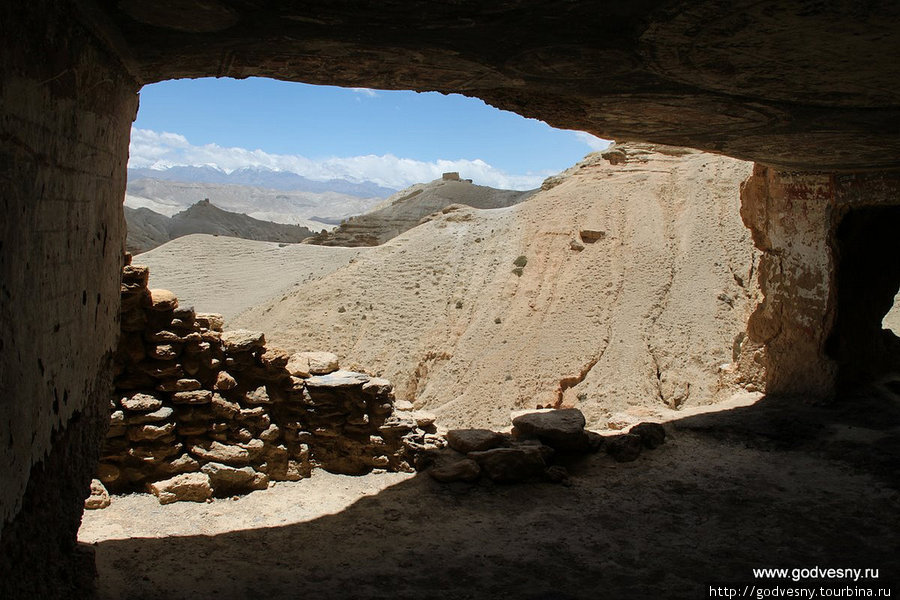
[148, 229]
[405, 209]
[623, 286]
[229, 275]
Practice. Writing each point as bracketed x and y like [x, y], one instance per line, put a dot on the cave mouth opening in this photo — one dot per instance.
[867, 247]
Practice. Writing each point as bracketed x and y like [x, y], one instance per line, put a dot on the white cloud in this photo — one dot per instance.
[592, 141]
[369, 93]
[161, 150]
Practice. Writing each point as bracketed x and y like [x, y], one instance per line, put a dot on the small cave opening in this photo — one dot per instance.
[867, 246]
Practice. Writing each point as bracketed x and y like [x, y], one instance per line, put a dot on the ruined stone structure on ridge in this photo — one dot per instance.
[754, 80]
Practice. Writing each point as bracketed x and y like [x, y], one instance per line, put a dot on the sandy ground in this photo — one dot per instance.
[229, 275]
[775, 483]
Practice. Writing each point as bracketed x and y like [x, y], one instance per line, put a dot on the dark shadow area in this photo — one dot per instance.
[868, 277]
[777, 484]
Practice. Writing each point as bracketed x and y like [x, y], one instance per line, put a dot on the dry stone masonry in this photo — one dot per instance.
[538, 447]
[200, 412]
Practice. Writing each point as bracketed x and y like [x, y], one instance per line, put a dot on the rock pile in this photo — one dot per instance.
[199, 411]
[538, 443]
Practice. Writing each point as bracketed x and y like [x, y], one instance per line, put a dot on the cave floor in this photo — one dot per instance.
[778, 483]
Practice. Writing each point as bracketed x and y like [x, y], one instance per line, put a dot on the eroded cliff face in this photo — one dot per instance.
[621, 287]
[828, 275]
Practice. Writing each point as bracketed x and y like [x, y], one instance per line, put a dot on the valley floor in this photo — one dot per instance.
[771, 483]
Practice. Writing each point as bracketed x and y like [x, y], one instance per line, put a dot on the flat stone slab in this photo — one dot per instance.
[561, 429]
[242, 340]
[338, 379]
[473, 440]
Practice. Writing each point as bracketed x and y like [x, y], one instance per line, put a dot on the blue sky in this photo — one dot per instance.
[398, 138]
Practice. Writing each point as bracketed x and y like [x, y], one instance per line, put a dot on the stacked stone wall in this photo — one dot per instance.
[203, 411]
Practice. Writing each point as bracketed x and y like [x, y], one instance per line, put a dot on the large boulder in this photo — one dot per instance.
[561, 429]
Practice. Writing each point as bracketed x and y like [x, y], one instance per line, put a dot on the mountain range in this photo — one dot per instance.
[263, 178]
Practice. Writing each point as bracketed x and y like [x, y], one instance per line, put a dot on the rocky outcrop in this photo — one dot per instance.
[199, 411]
[408, 208]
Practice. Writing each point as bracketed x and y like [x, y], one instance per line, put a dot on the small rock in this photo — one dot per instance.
[258, 396]
[221, 453]
[474, 440]
[271, 434]
[193, 487]
[274, 358]
[224, 381]
[226, 480]
[505, 465]
[194, 397]
[625, 447]
[448, 470]
[321, 363]
[143, 433]
[211, 321]
[424, 419]
[224, 408]
[404, 405]
[242, 340]
[164, 352]
[652, 435]
[376, 386]
[556, 473]
[162, 300]
[99, 497]
[576, 245]
[141, 402]
[183, 464]
[179, 385]
[589, 236]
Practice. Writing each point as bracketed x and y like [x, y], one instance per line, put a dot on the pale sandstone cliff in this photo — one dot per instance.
[638, 282]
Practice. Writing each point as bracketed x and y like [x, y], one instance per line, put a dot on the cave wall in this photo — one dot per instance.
[66, 108]
[822, 285]
[754, 79]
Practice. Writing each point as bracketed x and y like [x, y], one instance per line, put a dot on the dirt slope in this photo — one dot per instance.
[405, 209]
[229, 275]
[639, 278]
